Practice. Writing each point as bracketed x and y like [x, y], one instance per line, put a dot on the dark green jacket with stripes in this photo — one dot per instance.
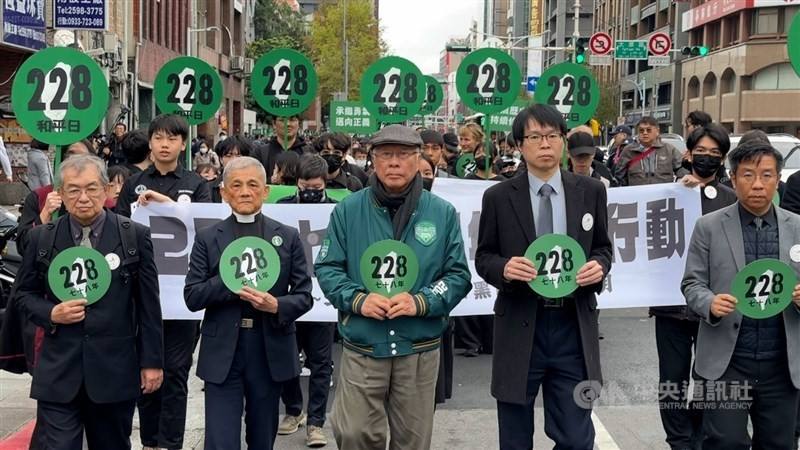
[433, 233]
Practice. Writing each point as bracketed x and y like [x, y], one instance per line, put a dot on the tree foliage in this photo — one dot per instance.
[326, 49]
[276, 18]
[608, 108]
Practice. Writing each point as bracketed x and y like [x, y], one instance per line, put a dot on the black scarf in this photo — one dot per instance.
[401, 205]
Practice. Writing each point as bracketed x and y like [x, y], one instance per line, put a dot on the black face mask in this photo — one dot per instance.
[427, 183]
[334, 162]
[706, 165]
[311, 195]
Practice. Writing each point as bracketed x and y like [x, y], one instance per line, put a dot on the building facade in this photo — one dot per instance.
[745, 81]
[559, 25]
[647, 90]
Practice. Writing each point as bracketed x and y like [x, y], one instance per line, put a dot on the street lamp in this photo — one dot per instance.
[190, 30]
[640, 87]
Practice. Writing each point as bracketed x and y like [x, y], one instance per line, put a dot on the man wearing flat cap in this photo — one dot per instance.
[393, 265]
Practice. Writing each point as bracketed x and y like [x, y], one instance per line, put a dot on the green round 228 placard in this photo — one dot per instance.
[572, 90]
[389, 267]
[557, 258]
[488, 80]
[392, 89]
[284, 82]
[189, 87]
[249, 261]
[59, 95]
[79, 272]
[763, 288]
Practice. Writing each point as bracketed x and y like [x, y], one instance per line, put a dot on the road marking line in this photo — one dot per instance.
[602, 438]
[20, 439]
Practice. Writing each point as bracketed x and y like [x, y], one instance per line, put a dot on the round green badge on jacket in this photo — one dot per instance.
[763, 288]
[249, 261]
[79, 273]
[389, 267]
[557, 258]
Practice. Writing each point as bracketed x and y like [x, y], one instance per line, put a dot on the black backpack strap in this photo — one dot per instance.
[47, 241]
[127, 233]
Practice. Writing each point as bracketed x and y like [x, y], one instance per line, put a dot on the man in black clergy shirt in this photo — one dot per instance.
[248, 347]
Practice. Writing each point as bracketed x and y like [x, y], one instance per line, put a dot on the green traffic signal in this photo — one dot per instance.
[580, 58]
[697, 50]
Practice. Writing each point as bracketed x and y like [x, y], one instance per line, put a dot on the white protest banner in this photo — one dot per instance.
[650, 227]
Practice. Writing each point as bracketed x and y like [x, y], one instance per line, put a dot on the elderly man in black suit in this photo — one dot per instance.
[97, 357]
[248, 346]
[548, 343]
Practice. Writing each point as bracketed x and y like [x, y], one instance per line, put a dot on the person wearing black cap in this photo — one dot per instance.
[582, 162]
[622, 137]
[433, 148]
[450, 151]
[391, 338]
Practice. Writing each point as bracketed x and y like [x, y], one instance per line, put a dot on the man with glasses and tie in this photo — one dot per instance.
[540, 342]
[393, 265]
[102, 349]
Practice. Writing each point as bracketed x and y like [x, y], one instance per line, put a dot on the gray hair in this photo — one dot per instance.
[243, 162]
[80, 163]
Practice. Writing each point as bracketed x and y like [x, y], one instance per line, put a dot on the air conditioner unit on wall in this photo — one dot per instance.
[237, 63]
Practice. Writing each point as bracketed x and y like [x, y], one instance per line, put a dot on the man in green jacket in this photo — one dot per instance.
[393, 264]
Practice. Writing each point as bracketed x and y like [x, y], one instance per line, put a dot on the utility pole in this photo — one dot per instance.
[346, 53]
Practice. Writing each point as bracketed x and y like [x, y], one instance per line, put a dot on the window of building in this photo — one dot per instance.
[713, 35]
[765, 21]
[664, 94]
[693, 89]
[777, 76]
[788, 15]
[727, 81]
[710, 85]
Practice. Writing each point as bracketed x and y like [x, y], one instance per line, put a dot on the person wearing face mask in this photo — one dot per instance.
[506, 166]
[334, 147]
[204, 156]
[484, 170]
[360, 155]
[676, 328]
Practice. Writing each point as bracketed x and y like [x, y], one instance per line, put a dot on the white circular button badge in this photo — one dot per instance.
[710, 191]
[184, 198]
[587, 222]
[113, 261]
[794, 253]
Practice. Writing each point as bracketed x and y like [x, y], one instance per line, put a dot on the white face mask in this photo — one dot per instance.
[360, 163]
[203, 149]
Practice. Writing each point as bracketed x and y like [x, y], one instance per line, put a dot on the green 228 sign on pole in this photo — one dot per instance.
[392, 89]
[434, 95]
[189, 87]
[59, 95]
[284, 82]
[488, 80]
[572, 90]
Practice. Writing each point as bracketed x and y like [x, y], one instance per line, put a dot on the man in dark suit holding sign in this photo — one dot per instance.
[249, 273]
[741, 280]
[89, 279]
[539, 341]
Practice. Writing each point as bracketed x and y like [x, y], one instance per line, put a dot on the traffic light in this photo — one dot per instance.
[580, 50]
[697, 50]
